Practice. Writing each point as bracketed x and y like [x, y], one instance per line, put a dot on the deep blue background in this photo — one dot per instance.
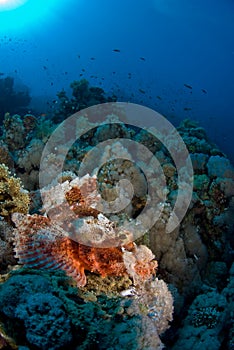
[45, 44]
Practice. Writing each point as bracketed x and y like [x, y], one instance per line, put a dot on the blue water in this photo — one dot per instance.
[163, 45]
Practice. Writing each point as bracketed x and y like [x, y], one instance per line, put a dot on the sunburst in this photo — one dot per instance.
[6, 5]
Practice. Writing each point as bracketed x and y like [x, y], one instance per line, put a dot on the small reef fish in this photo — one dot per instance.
[116, 50]
[188, 86]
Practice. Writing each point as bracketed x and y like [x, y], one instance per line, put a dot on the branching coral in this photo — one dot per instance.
[12, 197]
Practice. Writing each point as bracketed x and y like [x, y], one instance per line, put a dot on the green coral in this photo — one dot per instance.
[47, 324]
[206, 316]
[43, 310]
[13, 198]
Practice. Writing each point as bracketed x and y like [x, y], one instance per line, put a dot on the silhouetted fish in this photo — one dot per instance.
[116, 50]
[188, 86]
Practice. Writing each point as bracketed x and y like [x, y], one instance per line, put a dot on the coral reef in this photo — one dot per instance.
[83, 96]
[228, 293]
[5, 155]
[204, 234]
[35, 313]
[27, 300]
[194, 259]
[13, 197]
[211, 200]
[17, 130]
[45, 304]
[7, 258]
[5, 341]
[21, 145]
[12, 101]
[204, 325]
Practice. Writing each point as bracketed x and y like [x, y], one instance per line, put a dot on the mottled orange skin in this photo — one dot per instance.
[37, 232]
[40, 243]
[80, 205]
